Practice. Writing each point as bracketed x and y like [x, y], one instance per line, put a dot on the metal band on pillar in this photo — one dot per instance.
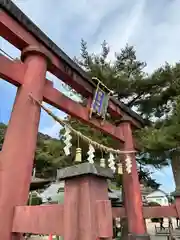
[35, 50]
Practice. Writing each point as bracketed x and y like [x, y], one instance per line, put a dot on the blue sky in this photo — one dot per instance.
[151, 26]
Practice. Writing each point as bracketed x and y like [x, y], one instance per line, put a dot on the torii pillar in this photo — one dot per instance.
[132, 195]
[19, 145]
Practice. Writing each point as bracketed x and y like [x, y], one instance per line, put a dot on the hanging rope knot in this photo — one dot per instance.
[35, 101]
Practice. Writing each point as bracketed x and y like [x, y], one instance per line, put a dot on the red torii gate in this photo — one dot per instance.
[40, 54]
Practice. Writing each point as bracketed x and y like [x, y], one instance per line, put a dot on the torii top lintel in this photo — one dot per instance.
[20, 31]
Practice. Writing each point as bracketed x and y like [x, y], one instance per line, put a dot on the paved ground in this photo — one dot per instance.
[150, 230]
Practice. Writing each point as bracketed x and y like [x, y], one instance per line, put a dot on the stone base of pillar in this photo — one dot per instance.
[176, 195]
[138, 237]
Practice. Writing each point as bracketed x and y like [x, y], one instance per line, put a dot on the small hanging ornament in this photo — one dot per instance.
[120, 170]
[128, 164]
[67, 141]
[78, 157]
[91, 154]
[111, 162]
[103, 162]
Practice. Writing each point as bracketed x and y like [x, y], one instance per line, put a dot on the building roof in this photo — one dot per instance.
[159, 191]
[39, 183]
[145, 190]
[56, 190]
[19, 16]
[115, 195]
[53, 192]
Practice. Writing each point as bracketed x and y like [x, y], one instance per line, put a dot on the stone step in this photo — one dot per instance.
[176, 233]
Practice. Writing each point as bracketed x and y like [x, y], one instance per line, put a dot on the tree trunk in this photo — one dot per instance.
[175, 164]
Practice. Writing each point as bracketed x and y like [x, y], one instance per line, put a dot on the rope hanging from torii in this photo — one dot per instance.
[92, 144]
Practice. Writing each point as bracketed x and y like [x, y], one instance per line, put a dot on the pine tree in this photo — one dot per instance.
[126, 77]
[161, 139]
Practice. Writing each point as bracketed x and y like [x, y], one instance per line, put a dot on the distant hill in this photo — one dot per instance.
[49, 153]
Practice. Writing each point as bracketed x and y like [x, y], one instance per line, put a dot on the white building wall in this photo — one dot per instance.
[158, 197]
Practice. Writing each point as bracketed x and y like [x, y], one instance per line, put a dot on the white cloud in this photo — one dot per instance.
[52, 131]
[124, 27]
[9, 50]
[52, 128]
[153, 27]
